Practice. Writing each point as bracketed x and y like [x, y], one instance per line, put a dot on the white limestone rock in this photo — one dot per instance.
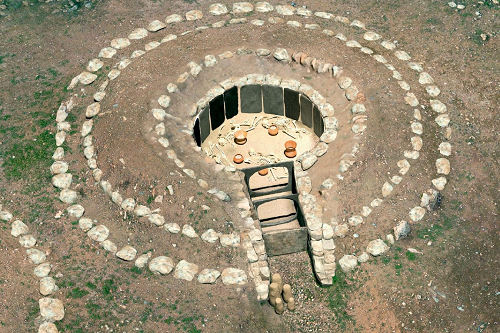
[109, 246]
[387, 189]
[161, 265]
[43, 270]
[142, 260]
[377, 247]
[51, 309]
[341, 230]
[138, 33]
[355, 220]
[157, 219]
[107, 52]
[208, 276]
[120, 43]
[402, 230]
[173, 228]
[439, 183]
[364, 257]
[48, 327]
[18, 228]
[62, 180]
[438, 106]
[94, 65]
[85, 224]
[76, 211]
[156, 25]
[185, 270]
[98, 233]
[443, 120]
[217, 9]
[417, 213]
[348, 262]
[210, 236]
[27, 241]
[36, 256]
[232, 276]
[282, 55]
[127, 253]
[443, 166]
[47, 286]
[189, 231]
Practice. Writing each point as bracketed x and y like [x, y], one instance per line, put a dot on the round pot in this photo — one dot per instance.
[238, 158]
[290, 151]
[272, 130]
[263, 172]
[240, 137]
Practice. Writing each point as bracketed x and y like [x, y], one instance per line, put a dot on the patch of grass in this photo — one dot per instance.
[29, 159]
[411, 256]
[337, 298]
[77, 293]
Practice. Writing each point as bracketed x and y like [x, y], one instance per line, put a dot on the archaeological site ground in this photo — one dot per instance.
[203, 166]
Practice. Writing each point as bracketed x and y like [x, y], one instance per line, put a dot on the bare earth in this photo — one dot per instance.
[452, 285]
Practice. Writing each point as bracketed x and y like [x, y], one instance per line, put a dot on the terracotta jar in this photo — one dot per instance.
[240, 137]
[263, 172]
[272, 130]
[238, 158]
[290, 146]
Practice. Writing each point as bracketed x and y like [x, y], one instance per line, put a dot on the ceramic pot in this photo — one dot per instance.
[263, 172]
[290, 151]
[272, 130]
[238, 158]
[240, 137]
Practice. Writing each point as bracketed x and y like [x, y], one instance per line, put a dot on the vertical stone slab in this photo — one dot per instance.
[196, 132]
[317, 121]
[251, 98]
[217, 111]
[306, 111]
[292, 104]
[231, 102]
[273, 100]
[205, 123]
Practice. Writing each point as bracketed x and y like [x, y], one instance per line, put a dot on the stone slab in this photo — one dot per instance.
[231, 102]
[306, 111]
[273, 100]
[317, 121]
[285, 241]
[251, 98]
[205, 123]
[292, 104]
[217, 111]
[196, 132]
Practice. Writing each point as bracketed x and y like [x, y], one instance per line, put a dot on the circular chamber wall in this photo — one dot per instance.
[268, 117]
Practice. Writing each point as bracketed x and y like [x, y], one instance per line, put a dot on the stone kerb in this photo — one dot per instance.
[51, 309]
[442, 164]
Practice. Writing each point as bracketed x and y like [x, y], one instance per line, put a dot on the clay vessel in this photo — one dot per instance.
[263, 172]
[290, 151]
[238, 158]
[273, 130]
[240, 137]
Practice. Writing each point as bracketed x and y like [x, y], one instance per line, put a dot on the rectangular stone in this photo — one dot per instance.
[231, 102]
[205, 123]
[317, 121]
[251, 98]
[306, 111]
[273, 100]
[292, 104]
[217, 111]
[196, 132]
[285, 241]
